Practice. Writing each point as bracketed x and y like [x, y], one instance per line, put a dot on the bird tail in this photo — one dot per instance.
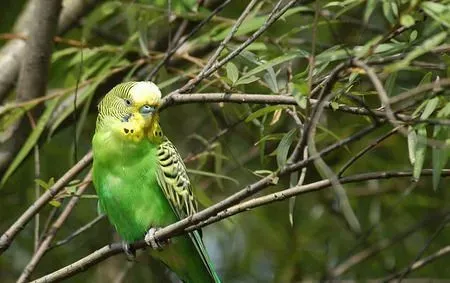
[195, 236]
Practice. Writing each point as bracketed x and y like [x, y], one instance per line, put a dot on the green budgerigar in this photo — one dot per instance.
[141, 180]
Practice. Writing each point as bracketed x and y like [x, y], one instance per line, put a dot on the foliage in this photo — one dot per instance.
[228, 146]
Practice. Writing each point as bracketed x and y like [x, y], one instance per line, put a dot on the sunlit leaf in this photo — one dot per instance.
[420, 151]
[232, 72]
[429, 108]
[407, 20]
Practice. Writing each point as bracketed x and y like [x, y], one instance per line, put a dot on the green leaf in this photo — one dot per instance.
[370, 7]
[412, 142]
[263, 111]
[273, 62]
[45, 185]
[210, 174]
[438, 11]
[245, 81]
[334, 105]
[439, 154]
[31, 140]
[420, 151]
[390, 11]
[445, 111]
[271, 137]
[429, 108]
[55, 203]
[232, 72]
[407, 20]
[390, 84]
[271, 79]
[251, 25]
[413, 35]
[425, 47]
[283, 147]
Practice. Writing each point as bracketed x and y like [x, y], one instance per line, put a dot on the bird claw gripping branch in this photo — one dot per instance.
[152, 242]
[129, 251]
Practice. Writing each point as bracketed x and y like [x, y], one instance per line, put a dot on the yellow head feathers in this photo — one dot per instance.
[129, 110]
[142, 93]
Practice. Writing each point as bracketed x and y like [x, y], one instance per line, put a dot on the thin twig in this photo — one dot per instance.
[425, 247]
[43, 247]
[7, 237]
[273, 16]
[421, 263]
[364, 151]
[186, 38]
[78, 232]
[227, 39]
[378, 247]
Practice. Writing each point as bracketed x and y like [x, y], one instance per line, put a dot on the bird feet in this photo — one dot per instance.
[152, 242]
[129, 251]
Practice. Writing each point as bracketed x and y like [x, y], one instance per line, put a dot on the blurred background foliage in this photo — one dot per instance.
[227, 146]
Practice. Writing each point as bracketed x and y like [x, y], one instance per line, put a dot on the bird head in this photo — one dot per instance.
[129, 110]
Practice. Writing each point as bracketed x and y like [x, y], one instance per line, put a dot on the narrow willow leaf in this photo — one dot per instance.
[412, 142]
[232, 72]
[245, 81]
[218, 163]
[42, 184]
[429, 108]
[31, 140]
[390, 84]
[271, 137]
[425, 47]
[271, 79]
[262, 112]
[283, 147]
[272, 63]
[276, 117]
[439, 155]
[389, 9]
[438, 12]
[370, 7]
[210, 174]
[421, 149]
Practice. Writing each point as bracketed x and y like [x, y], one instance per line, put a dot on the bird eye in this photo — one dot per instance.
[146, 109]
[128, 102]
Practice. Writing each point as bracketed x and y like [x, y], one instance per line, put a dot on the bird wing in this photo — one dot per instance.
[174, 182]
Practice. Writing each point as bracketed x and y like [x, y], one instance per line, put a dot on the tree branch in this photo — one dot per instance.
[172, 51]
[15, 52]
[7, 237]
[274, 15]
[190, 223]
[45, 243]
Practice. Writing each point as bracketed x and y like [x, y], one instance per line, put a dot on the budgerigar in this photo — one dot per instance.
[141, 180]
